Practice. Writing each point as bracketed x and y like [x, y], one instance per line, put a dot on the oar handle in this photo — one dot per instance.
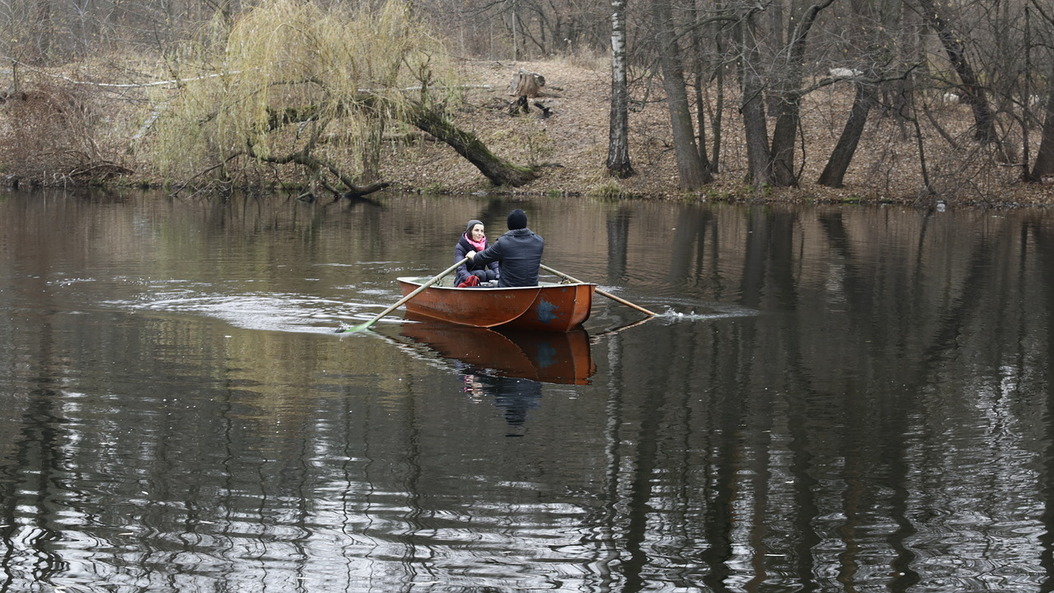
[406, 298]
[601, 292]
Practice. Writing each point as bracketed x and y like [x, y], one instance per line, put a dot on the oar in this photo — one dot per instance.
[601, 292]
[415, 292]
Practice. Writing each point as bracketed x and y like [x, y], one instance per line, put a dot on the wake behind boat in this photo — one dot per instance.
[549, 307]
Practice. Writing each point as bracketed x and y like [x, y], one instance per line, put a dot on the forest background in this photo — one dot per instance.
[915, 101]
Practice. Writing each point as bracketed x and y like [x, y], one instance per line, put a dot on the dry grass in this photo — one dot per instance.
[570, 146]
[573, 143]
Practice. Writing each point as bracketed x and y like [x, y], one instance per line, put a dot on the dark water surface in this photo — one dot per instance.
[834, 399]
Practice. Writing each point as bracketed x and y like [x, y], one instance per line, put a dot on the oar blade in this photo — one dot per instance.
[354, 329]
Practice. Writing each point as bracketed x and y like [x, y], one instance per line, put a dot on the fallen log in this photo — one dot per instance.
[497, 170]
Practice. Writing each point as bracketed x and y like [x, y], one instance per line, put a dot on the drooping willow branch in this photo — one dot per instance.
[306, 159]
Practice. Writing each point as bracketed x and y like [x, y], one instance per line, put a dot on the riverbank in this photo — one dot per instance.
[564, 136]
[570, 145]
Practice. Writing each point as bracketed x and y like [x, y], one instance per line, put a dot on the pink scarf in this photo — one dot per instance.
[478, 246]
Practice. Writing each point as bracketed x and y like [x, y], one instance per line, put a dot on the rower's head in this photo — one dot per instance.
[517, 220]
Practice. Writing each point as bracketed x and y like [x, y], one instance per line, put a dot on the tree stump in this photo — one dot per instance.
[526, 84]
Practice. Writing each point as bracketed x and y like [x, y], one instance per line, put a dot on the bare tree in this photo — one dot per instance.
[752, 104]
[788, 118]
[1044, 165]
[834, 171]
[521, 29]
[973, 91]
[865, 97]
[692, 166]
[618, 163]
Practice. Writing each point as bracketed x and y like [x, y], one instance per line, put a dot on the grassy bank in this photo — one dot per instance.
[92, 125]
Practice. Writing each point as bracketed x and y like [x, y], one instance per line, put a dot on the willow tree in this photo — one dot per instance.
[318, 90]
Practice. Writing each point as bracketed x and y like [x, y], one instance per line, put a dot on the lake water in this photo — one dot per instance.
[832, 399]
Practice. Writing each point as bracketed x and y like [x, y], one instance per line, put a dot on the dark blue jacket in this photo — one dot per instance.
[463, 271]
[520, 254]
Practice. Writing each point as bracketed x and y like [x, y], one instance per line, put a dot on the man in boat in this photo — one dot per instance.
[519, 252]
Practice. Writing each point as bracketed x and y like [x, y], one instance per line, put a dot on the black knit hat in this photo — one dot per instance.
[517, 220]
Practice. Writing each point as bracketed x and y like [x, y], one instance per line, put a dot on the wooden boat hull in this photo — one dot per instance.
[548, 357]
[548, 307]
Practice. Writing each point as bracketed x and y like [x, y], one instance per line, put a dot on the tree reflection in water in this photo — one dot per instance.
[178, 414]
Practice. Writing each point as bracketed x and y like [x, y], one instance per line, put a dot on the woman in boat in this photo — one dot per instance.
[473, 239]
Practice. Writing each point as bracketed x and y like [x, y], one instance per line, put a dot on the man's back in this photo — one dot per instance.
[520, 254]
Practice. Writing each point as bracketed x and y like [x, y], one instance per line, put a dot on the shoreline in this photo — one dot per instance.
[567, 143]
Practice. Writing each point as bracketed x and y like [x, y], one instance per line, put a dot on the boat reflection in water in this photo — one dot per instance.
[547, 357]
[507, 367]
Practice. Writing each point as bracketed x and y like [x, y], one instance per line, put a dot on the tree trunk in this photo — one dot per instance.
[864, 13]
[788, 118]
[497, 170]
[699, 82]
[618, 164]
[692, 168]
[1044, 166]
[759, 161]
[834, 173]
[719, 108]
[972, 90]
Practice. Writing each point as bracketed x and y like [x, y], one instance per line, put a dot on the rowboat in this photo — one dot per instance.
[547, 357]
[549, 307]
